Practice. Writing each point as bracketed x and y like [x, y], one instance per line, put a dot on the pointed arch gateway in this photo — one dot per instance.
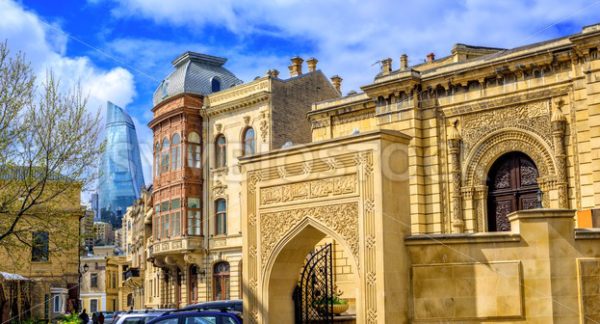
[286, 261]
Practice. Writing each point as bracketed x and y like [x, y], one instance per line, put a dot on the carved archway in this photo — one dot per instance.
[490, 148]
[287, 257]
[483, 155]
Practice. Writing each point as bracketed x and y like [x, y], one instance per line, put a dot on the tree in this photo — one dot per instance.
[48, 149]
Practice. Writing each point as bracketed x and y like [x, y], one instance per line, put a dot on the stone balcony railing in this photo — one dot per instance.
[174, 245]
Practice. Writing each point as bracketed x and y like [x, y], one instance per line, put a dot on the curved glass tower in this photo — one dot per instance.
[121, 174]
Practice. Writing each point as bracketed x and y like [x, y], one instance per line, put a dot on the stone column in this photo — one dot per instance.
[558, 137]
[454, 142]
[480, 206]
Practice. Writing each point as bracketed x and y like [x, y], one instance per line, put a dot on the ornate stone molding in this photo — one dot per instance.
[491, 147]
[341, 218]
[532, 117]
[299, 191]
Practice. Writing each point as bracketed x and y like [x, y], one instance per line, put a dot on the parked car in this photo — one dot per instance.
[220, 305]
[137, 318]
[109, 317]
[201, 317]
[151, 313]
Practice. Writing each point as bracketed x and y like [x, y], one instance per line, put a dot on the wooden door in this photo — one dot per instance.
[512, 185]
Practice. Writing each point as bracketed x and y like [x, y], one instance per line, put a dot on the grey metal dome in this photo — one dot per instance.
[197, 74]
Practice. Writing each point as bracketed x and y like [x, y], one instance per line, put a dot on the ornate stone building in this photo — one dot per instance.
[459, 189]
[204, 119]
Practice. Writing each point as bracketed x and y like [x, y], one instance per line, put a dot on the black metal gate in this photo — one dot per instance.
[314, 292]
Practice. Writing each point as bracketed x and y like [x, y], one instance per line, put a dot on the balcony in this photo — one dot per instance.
[181, 245]
[132, 279]
[131, 273]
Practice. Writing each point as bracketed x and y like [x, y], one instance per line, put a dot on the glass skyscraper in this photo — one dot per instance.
[121, 174]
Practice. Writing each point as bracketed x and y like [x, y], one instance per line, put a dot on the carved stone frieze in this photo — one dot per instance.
[341, 218]
[319, 188]
[533, 117]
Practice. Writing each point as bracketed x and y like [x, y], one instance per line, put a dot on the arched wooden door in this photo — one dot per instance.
[512, 185]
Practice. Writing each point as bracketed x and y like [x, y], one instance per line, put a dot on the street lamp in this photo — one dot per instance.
[85, 268]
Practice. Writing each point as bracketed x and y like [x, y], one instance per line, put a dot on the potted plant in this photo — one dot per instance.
[336, 304]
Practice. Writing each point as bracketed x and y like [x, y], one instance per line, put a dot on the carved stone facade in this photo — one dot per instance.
[467, 114]
[335, 197]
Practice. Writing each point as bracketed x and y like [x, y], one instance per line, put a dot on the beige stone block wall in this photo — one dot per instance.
[532, 275]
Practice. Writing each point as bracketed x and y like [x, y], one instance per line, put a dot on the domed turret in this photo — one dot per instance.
[195, 73]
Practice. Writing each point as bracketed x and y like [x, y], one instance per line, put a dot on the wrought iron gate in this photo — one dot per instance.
[314, 292]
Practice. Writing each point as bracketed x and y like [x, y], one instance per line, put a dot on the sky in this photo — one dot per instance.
[121, 50]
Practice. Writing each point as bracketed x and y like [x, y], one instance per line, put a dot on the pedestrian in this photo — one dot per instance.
[101, 318]
[84, 317]
[95, 318]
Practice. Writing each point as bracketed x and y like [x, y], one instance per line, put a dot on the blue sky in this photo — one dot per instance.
[121, 50]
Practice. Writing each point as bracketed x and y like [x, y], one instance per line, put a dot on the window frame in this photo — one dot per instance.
[164, 155]
[194, 151]
[175, 151]
[220, 217]
[246, 139]
[40, 251]
[220, 151]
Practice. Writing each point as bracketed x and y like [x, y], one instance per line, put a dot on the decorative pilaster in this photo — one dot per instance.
[162, 286]
[480, 205]
[558, 136]
[454, 143]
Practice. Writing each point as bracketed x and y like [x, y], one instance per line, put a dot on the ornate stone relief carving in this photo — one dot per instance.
[533, 117]
[341, 218]
[264, 126]
[219, 189]
[319, 188]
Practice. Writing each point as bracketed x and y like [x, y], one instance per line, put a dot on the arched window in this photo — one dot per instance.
[221, 281]
[164, 165]
[193, 152]
[157, 160]
[215, 84]
[249, 141]
[512, 185]
[220, 217]
[176, 152]
[220, 151]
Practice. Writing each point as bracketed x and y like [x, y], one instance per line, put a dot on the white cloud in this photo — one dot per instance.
[45, 46]
[352, 35]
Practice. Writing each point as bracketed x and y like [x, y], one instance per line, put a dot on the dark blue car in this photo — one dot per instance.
[203, 317]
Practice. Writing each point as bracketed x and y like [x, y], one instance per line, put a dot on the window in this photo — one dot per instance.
[176, 217]
[157, 160]
[221, 281]
[215, 84]
[164, 165]
[249, 141]
[94, 280]
[221, 216]
[93, 305]
[57, 303]
[193, 150]
[220, 151]
[176, 152]
[173, 320]
[193, 222]
[165, 227]
[39, 247]
[114, 280]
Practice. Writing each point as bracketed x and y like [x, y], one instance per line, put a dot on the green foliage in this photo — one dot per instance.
[49, 146]
[70, 319]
